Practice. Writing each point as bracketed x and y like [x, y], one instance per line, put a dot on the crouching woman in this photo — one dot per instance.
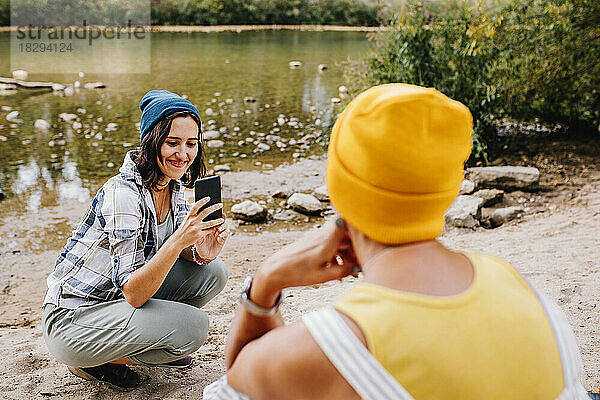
[129, 285]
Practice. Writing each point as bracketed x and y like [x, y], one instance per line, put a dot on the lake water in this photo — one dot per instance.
[217, 71]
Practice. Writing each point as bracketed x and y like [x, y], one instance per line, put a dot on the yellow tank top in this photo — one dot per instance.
[493, 341]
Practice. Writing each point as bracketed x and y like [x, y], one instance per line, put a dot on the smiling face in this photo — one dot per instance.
[179, 149]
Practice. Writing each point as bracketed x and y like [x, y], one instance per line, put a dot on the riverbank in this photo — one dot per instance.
[242, 28]
[555, 247]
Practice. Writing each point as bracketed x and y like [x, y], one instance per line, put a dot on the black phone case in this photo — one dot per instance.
[211, 187]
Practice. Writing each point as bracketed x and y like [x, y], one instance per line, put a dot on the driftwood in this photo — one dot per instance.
[46, 85]
[26, 84]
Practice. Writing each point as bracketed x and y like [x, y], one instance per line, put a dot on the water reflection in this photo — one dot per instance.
[32, 182]
[215, 71]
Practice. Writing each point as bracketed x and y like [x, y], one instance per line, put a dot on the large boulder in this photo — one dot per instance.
[466, 187]
[490, 196]
[464, 212]
[507, 177]
[249, 210]
[305, 203]
[503, 215]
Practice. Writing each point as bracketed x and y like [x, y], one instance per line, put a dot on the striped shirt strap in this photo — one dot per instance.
[353, 361]
[220, 390]
[567, 347]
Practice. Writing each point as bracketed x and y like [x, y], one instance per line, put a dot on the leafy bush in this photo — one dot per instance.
[283, 12]
[550, 67]
[208, 12]
[4, 12]
[453, 54]
[526, 61]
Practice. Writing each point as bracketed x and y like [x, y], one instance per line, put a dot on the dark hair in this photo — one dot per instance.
[146, 157]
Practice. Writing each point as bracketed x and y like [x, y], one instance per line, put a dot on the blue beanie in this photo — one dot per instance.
[157, 104]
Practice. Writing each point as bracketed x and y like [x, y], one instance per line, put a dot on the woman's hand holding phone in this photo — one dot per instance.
[209, 246]
[195, 230]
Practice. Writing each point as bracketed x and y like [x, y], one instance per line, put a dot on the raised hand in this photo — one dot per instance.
[315, 258]
[211, 245]
[194, 229]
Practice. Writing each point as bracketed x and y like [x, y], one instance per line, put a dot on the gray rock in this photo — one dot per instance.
[210, 135]
[322, 67]
[250, 211]
[490, 196]
[7, 86]
[464, 212]
[321, 193]
[288, 215]
[222, 168]
[503, 215]
[111, 126]
[41, 124]
[249, 99]
[20, 75]
[262, 147]
[507, 177]
[305, 203]
[466, 187]
[2, 196]
[295, 64]
[67, 117]
[94, 85]
[280, 194]
[215, 143]
[13, 116]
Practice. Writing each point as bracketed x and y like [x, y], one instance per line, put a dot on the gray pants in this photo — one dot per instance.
[168, 327]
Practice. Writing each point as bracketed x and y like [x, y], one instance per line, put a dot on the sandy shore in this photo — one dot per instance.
[557, 250]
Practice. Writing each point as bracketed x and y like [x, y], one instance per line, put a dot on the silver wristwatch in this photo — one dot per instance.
[251, 306]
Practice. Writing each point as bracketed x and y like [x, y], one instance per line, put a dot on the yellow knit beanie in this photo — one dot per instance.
[396, 160]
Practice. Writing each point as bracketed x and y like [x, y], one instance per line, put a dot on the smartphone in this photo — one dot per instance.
[210, 186]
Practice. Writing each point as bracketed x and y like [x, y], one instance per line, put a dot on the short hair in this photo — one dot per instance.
[147, 155]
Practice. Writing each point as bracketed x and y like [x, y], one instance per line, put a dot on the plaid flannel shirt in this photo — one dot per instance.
[115, 237]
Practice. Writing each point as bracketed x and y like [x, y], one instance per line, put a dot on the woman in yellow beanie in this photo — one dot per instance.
[426, 322]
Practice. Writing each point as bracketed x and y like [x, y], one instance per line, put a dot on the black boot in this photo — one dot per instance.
[117, 375]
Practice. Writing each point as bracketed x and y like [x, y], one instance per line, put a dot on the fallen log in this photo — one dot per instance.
[27, 84]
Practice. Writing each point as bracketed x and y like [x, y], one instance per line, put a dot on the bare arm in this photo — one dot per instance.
[262, 354]
[286, 363]
[146, 280]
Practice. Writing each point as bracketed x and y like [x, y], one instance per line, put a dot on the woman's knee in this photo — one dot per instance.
[219, 271]
[193, 331]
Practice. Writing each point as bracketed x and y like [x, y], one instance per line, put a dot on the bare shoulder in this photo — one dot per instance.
[287, 363]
